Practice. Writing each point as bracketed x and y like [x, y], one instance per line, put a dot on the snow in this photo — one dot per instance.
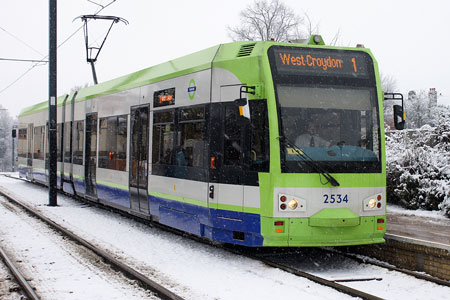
[435, 214]
[48, 261]
[418, 164]
[189, 268]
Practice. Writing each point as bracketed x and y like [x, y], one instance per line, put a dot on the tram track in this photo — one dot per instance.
[368, 260]
[317, 279]
[285, 259]
[20, 279]
[159, 290]
[338, 284]
[320, 280]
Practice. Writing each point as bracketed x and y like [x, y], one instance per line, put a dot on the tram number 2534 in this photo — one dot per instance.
[335, 198]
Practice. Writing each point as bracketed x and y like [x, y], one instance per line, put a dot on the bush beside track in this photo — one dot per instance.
[418, 166]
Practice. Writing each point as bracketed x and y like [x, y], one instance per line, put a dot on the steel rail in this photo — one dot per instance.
[384, 265]
[352, 256]
[320, 280]
[146, 282]
[26, 287]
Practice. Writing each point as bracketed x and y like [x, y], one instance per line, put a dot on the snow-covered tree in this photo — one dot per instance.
[420, 110]
[418, 164]
[6, 123]
[264, 20]
[388, 83]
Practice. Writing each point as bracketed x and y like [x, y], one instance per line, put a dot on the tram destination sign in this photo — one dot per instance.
[320, 62]
[164, 97]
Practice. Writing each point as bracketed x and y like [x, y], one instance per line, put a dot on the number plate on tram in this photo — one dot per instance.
[335, 198]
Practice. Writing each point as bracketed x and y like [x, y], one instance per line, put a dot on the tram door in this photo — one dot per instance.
[90, 157]
[139, 159]
[229, 168]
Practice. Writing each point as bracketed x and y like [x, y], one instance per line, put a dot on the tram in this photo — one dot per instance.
[211, 144]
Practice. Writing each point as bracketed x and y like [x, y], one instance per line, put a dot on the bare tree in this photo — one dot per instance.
[310, 27]
[265, 21]
[335, 41]
[388, 83]
[79, 87]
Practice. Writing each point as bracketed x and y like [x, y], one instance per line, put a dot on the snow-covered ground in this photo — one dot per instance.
[54, 265]
[189, 268]
[435, 214]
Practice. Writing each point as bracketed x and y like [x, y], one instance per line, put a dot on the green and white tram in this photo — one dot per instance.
[251, 143]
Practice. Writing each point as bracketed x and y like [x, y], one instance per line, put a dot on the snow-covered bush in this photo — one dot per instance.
[418, 166]
[6, 123]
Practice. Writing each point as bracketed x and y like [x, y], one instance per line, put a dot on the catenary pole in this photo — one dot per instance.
[52, 193]
[14, 134]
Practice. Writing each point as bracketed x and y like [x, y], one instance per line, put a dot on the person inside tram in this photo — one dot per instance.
[311, 137]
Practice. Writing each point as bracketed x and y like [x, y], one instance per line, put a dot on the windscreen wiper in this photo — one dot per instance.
[309, 161]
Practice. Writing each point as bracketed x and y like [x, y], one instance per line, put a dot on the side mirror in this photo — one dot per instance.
[399, 117]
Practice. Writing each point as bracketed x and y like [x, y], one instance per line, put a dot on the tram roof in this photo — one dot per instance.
[195, 62]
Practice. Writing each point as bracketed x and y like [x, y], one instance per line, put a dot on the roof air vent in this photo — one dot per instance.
[246, 50]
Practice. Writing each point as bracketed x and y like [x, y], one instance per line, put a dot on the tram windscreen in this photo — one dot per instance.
[335, 126]
[328, 108]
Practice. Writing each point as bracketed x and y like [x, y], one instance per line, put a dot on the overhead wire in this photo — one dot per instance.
[18, 39]
[38, 63]
[22, 60]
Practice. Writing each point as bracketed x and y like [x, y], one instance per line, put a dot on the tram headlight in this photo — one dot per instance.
[372, 203]
[289, 203]
[293, 204]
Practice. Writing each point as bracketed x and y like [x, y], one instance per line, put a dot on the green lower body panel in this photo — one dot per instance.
[336, 217]
[323, 230]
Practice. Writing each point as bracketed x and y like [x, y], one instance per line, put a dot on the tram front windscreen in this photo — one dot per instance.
[328, 110]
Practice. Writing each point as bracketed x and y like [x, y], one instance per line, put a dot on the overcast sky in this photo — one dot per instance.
[409, 39]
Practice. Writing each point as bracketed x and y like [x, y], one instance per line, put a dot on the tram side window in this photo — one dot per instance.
[163, 138]
[77, 142]
[67, 128]
[113, 143]
[259, 156]
[232, 136]
[22, 143]
[39, 140]
[191, 136]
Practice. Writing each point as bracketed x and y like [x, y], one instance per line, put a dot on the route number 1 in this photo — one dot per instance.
[354, 65]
